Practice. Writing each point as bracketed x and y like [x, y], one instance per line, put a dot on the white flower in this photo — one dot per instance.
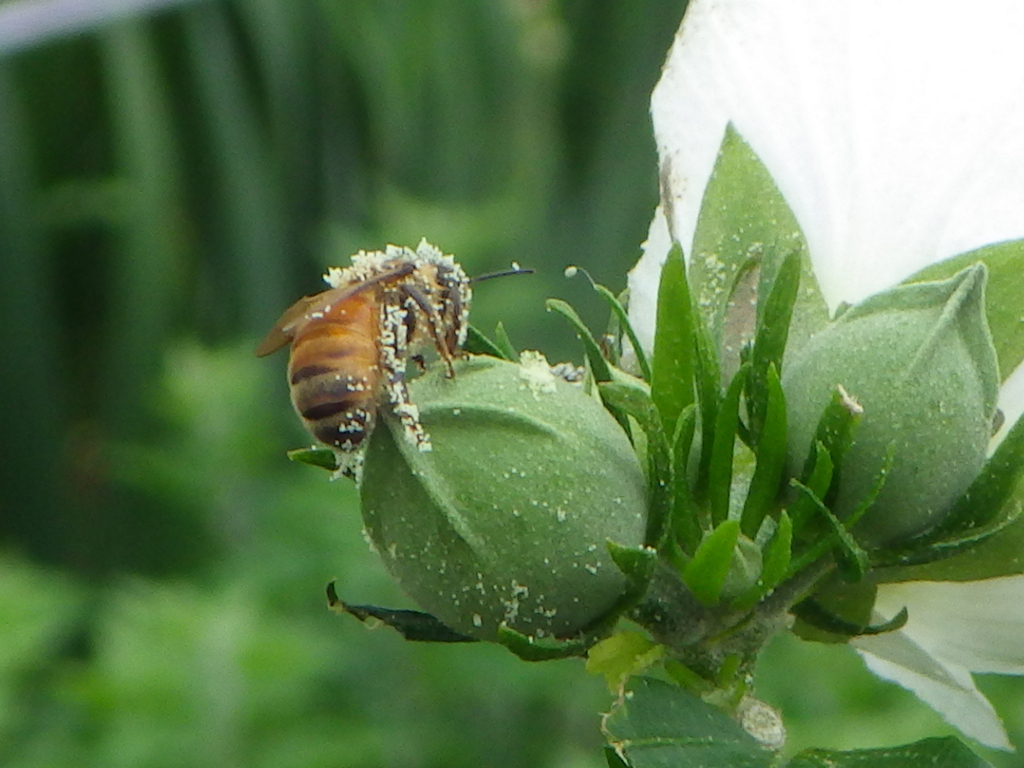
[895, 131]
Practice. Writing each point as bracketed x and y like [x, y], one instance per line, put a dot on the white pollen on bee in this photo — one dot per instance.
[316, 315]
[335, 277]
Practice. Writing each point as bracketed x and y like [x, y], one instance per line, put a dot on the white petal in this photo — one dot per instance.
[893, 130]
[976, 624]
[946, 688]
[644, 279]
[1011, 402]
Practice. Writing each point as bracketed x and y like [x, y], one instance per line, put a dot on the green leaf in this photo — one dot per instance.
[919, 552]
[743, 219]
[504, 343]
[633, 399]
[1004, 294]
[999, 552]
[659, 725]
[619, 657]
[992, 490]
[315, 457]
[710, 398]
[412, 625]
[777, 556]
[945, 752]
[835, 431]
[530, 648]
[478, 344]
[813, 613]
[621, 317]
[705, 574]
[673, 367]
[686, 515]
[637, 565]
[818, 481]
[770, 342]
[720, 471]
[771, 458]
[591, 348]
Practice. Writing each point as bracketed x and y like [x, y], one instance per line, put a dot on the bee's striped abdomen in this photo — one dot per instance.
[333, 371]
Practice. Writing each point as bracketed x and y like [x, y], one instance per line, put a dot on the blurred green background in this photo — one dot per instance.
[171, 180]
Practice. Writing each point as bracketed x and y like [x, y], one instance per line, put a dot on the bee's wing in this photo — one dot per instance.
[284, 329]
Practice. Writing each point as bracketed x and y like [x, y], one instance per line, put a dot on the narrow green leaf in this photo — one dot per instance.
[770, 341]
[851, 553]
[504, 343]
[720, 471]
[777, 554]
[772, 452]
[634, 401]
[412, 625]
[991, 490]
[920, 553]
[478, 344]
[836, 429]
[803, 507]
[591, 348]
[529, 648]
[672, 371]
[710, 398]
[813, 613]
[621, 323]
[636, 563]
[998, 555]
[660, 725]
[945, 752]
[323, 458]
[705, 574]
[686, 515]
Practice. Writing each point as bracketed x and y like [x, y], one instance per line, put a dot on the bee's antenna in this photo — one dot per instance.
[515, 270]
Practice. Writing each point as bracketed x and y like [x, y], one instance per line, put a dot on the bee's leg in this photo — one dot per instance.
[437, 330]
[393, 355]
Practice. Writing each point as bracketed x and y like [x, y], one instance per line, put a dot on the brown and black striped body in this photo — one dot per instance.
[351, 344]
[334, 370]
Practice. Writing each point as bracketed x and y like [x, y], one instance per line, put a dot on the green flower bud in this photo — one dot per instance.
[507, 518]
[919, 360]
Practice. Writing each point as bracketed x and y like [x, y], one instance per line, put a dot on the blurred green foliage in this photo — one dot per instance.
[169, 183]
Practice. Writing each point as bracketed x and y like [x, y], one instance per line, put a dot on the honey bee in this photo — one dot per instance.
[351, 344]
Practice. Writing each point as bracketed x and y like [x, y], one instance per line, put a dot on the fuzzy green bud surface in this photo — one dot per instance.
[507, 518]
[920, 362]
